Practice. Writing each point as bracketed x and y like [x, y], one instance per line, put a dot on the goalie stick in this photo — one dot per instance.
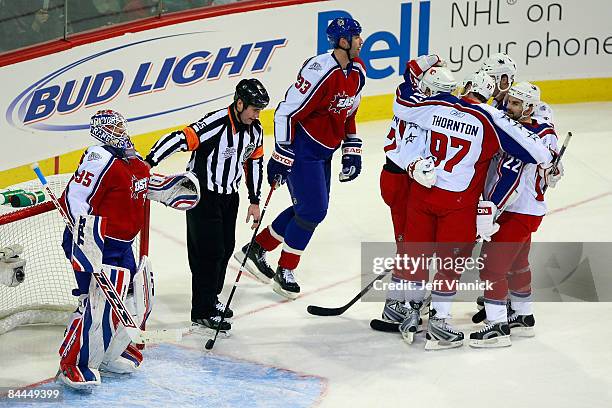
[137, 335]
[337, 311]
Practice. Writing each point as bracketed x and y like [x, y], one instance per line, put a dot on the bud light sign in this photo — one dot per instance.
[82, 84]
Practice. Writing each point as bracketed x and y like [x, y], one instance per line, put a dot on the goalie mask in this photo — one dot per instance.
[180, 191]
[110, 128]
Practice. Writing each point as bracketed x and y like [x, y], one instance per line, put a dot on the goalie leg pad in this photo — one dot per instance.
[91, 332]
[180, 191]
[121, 356]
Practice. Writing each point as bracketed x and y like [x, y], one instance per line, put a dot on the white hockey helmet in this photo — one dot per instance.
[498, 65]
[438, 80]
[479, 83]
[543, 113]
[526, 92]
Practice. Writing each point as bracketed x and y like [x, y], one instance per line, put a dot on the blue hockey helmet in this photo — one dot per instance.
[342, 27]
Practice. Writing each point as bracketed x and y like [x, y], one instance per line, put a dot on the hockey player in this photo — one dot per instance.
[12, 267]
[462, 137]
[110, 185]
[316, 117]
[424, 76]
[502, 69]
[517, 187]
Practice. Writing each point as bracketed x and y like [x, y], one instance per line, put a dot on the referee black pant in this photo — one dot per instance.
[211, 237]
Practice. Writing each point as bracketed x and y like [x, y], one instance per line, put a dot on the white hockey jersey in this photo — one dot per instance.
[463, 138]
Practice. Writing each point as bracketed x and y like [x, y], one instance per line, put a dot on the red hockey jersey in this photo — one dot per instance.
[323, 100]
[108, 186]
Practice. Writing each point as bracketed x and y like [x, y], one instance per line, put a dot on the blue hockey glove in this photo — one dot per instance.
[279, 165]
[351, 159]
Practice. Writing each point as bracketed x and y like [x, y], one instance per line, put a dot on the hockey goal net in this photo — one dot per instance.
[45, 296]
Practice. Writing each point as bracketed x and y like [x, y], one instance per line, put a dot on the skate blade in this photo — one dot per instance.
[251, 268]
[408, 337]
[289, 295]
[442, 344]
[523, 332]
[502, 341]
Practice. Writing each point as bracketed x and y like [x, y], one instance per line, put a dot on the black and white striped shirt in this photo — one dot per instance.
[223, 149]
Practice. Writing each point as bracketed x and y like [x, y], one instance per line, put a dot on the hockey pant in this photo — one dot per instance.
[507, 258]
[309, 186]
[447, 232]
[394, 189]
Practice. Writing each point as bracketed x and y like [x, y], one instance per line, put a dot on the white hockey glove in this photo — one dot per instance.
[552, 175]
[12, 267]
[423, 171]
[485, 220]
[180, 191]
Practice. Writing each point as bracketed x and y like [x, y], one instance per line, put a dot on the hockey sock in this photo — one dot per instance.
[521, 302]
[496, 310]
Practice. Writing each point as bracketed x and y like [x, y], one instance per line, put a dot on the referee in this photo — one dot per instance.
[225, 145]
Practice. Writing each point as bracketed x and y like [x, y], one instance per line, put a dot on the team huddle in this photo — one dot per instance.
[456, 169]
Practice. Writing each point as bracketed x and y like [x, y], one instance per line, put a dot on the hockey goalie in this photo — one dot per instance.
[104, 200]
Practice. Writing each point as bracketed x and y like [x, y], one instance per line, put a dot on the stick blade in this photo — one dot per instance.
[324, 311]
[383, 326]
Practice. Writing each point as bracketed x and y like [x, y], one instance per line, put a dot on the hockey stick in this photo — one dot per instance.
[561, 153]
[211, 342]
[337, 311]
[481, 315]
[136, 335]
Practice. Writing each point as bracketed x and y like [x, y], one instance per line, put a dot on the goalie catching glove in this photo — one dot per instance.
[180, 191]
[12, 267]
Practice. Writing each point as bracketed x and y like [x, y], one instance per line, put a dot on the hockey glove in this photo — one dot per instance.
[485, 220]
[279, 165]
[552, 175]
[351, 159]
[423, 171]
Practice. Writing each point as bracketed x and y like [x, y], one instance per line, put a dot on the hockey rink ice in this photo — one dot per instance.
[280, 356]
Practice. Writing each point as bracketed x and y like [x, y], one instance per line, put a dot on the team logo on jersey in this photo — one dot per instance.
[93, 156]
[229, 152]
[340, 102]
[410, 138]
[315, 66]
[139, 186]
[248, 151]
